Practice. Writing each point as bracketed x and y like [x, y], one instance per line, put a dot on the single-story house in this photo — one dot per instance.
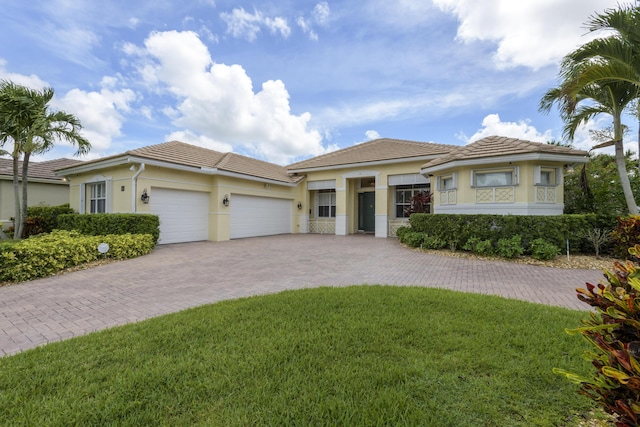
[44, 187]
[201, 194]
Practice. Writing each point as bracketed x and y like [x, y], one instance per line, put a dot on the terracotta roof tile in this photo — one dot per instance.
[180, 153]
[39, 170]
[496, 146]
[372, 151]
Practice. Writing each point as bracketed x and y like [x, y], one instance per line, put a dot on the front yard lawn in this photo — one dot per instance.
[363, 355]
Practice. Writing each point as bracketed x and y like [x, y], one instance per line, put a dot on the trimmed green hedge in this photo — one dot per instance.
[111, 223]
[47, 254]
[45, 218]
[553, 229]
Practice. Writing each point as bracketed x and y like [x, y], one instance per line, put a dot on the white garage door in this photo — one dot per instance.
[253, 216]
[184, 215]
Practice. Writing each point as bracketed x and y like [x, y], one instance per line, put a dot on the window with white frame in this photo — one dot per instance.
[546, 176]
[494, 178]
[403, 196]
[97, 197]
[326, 203]
[447, 183]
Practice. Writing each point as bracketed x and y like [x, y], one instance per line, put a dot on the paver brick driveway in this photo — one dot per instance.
[175, 277]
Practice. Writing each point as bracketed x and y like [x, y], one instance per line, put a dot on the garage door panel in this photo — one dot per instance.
[253, 216]
[184, 215]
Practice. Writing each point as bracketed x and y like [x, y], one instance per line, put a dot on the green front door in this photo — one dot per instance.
[367, 211]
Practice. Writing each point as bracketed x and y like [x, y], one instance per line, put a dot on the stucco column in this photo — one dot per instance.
[342, 219]
[382, 217]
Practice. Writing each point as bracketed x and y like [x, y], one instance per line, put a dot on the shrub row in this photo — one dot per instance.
[552, 229]
[505, 247]
[44, 219]
[101, 224]
[47, 254]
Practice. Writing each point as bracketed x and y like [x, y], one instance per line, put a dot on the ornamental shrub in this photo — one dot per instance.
[413, 239]
[542, 250]
[47, 254]
[614, 333]
[111, 223]
[433, 242]
[626, 234]
[47, 216]
[556, 229]
[484, 248]
[510, 248]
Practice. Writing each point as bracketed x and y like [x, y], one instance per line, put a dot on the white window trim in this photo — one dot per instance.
[515, 176]
[537, 175]
[395, 197]
[441, 178]
[108, 206]
[317, 205]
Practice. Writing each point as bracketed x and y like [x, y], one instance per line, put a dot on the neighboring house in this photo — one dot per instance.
[44, 187]
[200, 194]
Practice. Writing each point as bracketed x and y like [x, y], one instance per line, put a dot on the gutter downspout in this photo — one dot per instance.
[134, 187]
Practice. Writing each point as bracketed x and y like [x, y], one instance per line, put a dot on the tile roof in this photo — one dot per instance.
[497, 146]
[180, 153]
[372, 151]
[38, 170]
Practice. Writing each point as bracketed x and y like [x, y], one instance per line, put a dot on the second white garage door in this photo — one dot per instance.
[253, 216]
[184, 215]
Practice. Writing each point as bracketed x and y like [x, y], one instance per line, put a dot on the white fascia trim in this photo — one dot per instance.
[93, 166]
[364, 164]
[256, 178]
[54, 181]
[543, 157]
[133, 159]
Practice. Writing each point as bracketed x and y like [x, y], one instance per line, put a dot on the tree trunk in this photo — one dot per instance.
[622, 167]
[17, 226]
[25, 180]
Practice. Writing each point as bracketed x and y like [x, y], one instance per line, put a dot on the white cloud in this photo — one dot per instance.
[216, 103]
[372, 134]
[492, 125]
[32, 81]
[99, 112]
[528, 33]
[319, 16]
[321, 13]
[242, 24]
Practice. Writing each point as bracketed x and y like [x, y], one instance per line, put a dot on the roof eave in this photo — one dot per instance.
[123, 160]
[56, 181]
[551, 157]
[366, 164]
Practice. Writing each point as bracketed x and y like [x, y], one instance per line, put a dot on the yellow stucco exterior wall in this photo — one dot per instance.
[120, 185]
[525, 198]
[47, 194]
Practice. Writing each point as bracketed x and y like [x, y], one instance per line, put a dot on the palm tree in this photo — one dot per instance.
[603, 77]
[576, 109]
[27, 121]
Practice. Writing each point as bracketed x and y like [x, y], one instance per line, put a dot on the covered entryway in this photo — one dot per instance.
[184, 215]
[253, 216]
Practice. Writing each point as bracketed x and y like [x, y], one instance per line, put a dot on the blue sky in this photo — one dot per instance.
[285, 80]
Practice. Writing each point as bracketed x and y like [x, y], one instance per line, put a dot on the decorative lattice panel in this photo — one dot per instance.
[545, 195]
[504, 195]
[484, 195]
[394, 225]
[448, 197]
[322, 226]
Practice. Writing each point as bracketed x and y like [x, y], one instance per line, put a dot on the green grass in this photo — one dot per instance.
[365, 355]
